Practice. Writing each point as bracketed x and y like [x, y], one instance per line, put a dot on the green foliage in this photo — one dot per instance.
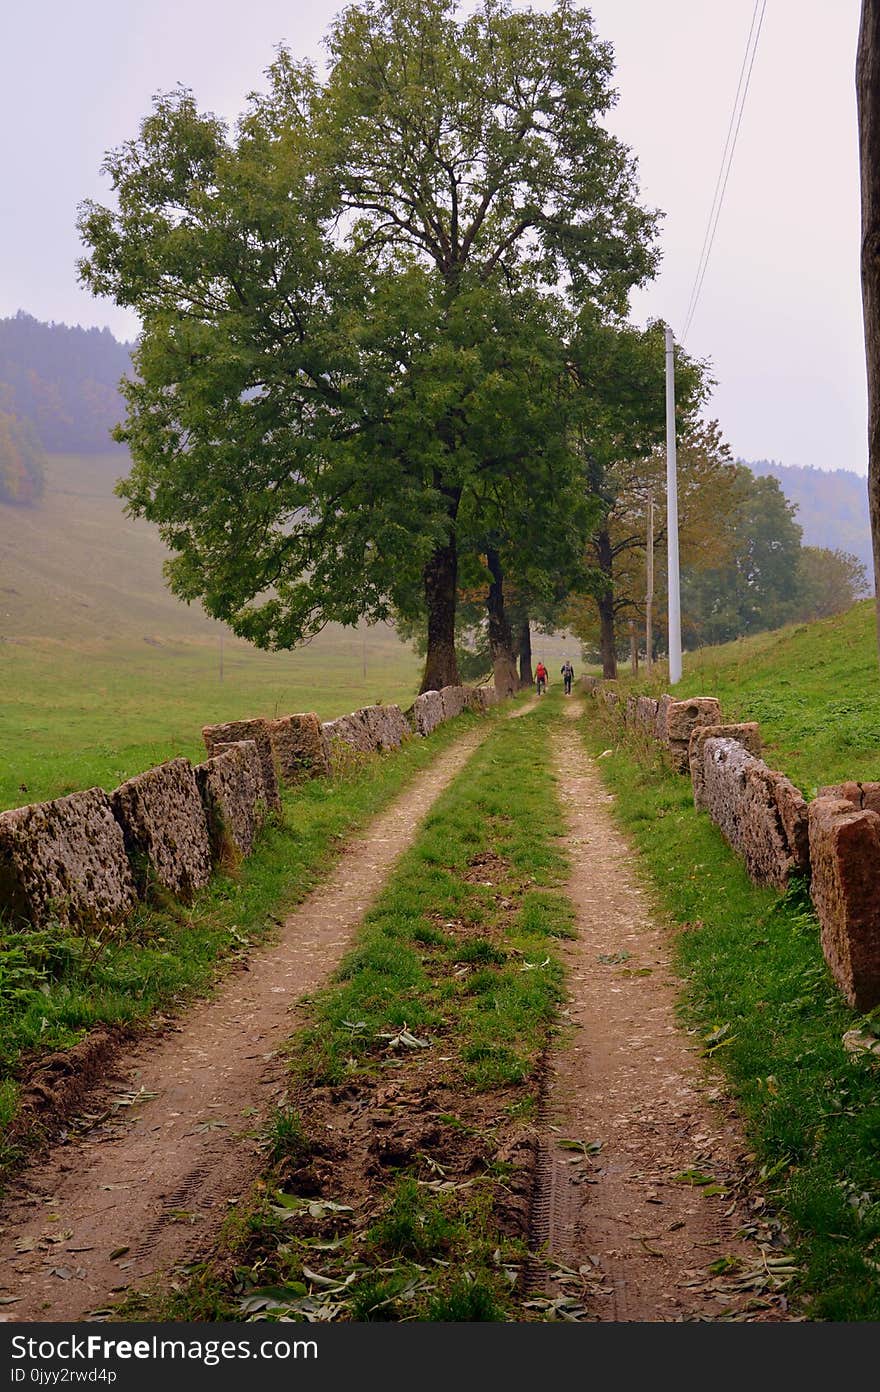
[829, 582]
[357, 312]
[758, 587]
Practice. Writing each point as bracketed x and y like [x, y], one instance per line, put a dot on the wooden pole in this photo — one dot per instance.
[868, 102]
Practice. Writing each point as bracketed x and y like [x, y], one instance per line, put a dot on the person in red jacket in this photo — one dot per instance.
[541, 678]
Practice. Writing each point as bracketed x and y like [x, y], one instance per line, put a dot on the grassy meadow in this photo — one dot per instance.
[104, 673]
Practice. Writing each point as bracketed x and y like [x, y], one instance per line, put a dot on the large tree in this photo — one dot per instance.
[321, 382]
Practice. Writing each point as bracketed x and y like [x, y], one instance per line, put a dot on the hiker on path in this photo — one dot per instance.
[567, 676]
[541, 678]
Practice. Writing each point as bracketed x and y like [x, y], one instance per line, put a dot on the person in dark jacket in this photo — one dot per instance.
[567, 676]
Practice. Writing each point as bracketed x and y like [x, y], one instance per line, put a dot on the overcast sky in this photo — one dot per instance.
[780, 312]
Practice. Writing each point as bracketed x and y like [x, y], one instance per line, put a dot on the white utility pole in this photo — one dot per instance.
[672, 516]
[649, 597]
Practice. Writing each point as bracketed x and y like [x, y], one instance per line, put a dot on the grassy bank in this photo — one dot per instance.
[815, 688]
[760, 997]
[399, 1170]
[55, 986]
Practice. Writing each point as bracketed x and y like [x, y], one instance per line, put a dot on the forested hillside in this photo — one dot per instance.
[63, 381]
[832, 505]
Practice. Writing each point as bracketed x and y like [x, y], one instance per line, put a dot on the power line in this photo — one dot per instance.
[733, 125]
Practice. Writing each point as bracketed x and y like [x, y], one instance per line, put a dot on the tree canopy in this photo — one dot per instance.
[359, 309]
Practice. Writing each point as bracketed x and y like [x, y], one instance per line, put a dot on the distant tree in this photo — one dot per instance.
[21, 461]
[64, 381]
[829, 582]
[331, 374]
[758, 587]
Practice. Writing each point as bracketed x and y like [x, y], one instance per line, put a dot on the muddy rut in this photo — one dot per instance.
[174, 1132]
[635, 1221]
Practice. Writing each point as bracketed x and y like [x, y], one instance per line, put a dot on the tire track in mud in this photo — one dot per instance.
[616, 1227]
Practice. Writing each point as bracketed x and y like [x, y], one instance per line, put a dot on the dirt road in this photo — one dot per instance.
[639, 1215]
[175, 1133]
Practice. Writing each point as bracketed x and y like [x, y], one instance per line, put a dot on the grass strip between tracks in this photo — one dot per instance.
[760, 999]
[56, 985]
[399, 1169]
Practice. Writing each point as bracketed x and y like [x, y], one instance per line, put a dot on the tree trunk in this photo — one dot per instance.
[605, 603]
[868, 100]
[500, 636]
[526, 675]
[441, 582]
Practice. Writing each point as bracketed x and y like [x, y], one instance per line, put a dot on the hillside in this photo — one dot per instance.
[832, 505]
[63, 380]
[815, 688]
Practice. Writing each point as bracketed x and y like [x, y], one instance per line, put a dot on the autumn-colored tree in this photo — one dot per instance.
[21, 461]
[829, 582]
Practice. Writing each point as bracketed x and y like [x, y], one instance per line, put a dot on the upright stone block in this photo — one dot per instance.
[845, 886]
[65, 860]
[299, 747]
[454, 699]
[646, 715]
[230, 785]
[861, 795]
[748, 734]
[165, 830]
[629, 714]
[661, 723]
[759, 812]
[233, 731]
[426, 712]
[682, 717]
[387, 726]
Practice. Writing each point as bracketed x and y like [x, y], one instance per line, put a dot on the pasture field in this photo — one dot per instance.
[104, 673]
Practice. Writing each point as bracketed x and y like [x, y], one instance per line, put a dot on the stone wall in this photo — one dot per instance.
[299, 747]
[65, 860]
[758, 811]
[834, 840]
[454, 700]
[165, 829]
[681, 719]
[84, 859]
[388, 727]
[845, 887]
[231, 788]
[748, 734]
[257, 730]
[426, 712]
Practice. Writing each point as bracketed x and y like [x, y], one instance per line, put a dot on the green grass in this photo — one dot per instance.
[761, 999]
[103, 673]
[814, 688]
[77, 717]
[54, 987]
[459, 954]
